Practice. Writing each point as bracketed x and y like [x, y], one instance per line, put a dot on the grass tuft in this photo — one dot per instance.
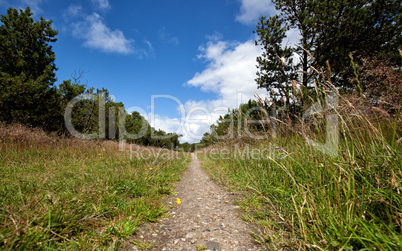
[60, 193]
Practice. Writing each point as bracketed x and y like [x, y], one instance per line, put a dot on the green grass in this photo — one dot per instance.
[304, 199]
[79, 197]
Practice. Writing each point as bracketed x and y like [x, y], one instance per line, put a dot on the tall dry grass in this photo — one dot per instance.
[304, 199]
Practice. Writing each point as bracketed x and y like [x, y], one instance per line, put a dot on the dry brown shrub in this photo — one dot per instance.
[382, 84]
[25, 136]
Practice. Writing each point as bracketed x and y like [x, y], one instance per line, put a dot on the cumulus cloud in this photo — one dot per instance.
[97, 35]
[252, 10]
[101, 4]
[231, 70]
[164, 123]
[230, 73]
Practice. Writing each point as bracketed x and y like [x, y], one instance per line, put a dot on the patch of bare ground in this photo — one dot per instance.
[206, 219]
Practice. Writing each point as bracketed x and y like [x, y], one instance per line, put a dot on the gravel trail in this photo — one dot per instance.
[205, 219]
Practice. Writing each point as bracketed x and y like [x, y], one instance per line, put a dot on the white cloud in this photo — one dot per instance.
[34, 5]
[292, 38]
[99, 36]
[72, 12]
[164, 123]
[150, 51]
[215, 37]
[231, 70]
[101, 4]
[230, 73]
[252, 10]
[166, 37]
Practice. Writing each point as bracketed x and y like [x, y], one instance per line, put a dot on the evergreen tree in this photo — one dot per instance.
[329, 31]
[27, 69]
[275, 65]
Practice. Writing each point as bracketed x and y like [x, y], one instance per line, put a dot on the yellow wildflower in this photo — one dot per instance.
[178, 201]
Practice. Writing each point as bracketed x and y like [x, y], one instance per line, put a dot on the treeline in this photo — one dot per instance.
[29, 95]
[252, 119]
[351, 48]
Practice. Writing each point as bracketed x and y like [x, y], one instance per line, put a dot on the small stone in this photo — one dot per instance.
[190, 235]
[176, 241]
[183, 239]
[154, 235]
[213, 246]
[142, 237]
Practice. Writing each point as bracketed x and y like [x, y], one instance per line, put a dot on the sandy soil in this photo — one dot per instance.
[205, 219]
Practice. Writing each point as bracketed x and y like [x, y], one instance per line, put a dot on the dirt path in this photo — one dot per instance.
[205, 218]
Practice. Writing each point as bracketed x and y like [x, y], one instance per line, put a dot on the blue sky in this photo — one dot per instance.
[197, 55]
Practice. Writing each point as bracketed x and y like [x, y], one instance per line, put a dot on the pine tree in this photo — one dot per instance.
[27, 69]
[330, 30]
[275, 65]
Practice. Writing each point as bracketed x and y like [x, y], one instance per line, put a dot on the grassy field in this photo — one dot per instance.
[71, 194]
[304, 199]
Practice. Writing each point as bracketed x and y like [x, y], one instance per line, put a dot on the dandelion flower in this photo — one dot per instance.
[178, 201]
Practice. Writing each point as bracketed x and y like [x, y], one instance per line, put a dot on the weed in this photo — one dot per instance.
[201, 247]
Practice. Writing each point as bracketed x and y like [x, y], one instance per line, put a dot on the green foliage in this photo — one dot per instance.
[275, 65]
[187, 147]
[207, 139]
[27, 69]
[96, 113]
[25, 49]
[28, 95]
[365, 28]
[330, 30]
[249, 120]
